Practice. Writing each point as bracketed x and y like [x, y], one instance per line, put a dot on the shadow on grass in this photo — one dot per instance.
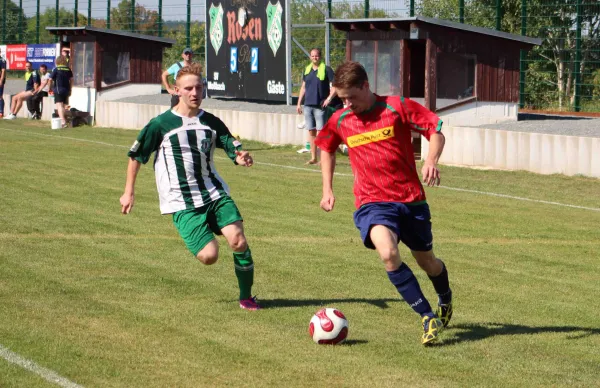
[353, 342]
[280, 303]
[477, 332]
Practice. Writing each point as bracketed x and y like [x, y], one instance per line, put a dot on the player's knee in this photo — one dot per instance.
[209, 254]
[207, 259]
[238, 243]
[428, 262]
[389, 255]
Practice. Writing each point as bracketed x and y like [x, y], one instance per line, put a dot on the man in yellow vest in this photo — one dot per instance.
[318, 94]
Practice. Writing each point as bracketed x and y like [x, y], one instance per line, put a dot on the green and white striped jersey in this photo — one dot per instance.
[186, 177]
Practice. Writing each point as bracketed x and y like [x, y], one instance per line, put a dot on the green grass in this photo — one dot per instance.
[107, 300]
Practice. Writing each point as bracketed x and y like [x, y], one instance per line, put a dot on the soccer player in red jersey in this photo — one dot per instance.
[390, 199]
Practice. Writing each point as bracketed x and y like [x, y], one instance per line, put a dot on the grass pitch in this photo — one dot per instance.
[106, 300]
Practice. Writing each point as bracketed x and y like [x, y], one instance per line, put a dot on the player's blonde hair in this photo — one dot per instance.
[61, 61]
[193, 69]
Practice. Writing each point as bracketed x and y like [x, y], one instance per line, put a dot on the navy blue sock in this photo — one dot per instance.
[442, 285]
[2, 106]
[407, 285]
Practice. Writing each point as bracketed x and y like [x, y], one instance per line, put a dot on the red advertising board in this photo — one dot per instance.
[16, 56]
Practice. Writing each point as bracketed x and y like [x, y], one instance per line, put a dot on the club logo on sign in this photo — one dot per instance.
[274, 29]
[216, 27]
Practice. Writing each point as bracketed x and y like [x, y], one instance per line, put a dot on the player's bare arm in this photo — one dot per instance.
[332, 94]
[300, 97]
[430, 171]
[165, 81]
[127, 199]
[243, 158]
[327, 170]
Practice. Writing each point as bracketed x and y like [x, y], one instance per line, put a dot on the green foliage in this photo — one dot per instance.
[596, 84]
[146, 21]
[197, 35]
[13, 31]
[48, 19]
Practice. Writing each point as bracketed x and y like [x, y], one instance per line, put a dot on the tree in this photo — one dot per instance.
[48, 19]
[173, 54]
[12, 27]
[146, 21]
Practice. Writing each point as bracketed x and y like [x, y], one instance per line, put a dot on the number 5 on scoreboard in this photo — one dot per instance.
[254, 60]
[233, 60]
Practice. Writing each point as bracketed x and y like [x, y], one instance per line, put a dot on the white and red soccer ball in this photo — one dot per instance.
[328, 326]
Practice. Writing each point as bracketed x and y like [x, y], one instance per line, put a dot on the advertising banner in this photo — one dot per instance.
[16, 56]
[45, 54]
[246, 53]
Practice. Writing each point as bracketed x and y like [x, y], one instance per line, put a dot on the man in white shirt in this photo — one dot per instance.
[34, 104]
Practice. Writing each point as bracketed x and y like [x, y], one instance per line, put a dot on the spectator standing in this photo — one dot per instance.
[62, 76]
[317, 93]
[2, 81]
[187, 55]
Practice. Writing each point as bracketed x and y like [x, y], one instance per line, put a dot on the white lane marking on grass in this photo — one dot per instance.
[348, 175]
[31, 366]
[520, 198]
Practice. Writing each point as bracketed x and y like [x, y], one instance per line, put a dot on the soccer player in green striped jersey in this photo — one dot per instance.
[189, 187]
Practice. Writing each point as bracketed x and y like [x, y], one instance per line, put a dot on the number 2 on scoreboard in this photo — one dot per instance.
[254, 60]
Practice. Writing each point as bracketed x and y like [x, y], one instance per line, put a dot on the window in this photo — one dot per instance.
[115, 67]
[381, 60]
[83, 64]
[363, 51]
[455, 76]
[388, 68]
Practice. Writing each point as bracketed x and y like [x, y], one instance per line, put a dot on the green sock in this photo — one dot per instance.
[244, 270]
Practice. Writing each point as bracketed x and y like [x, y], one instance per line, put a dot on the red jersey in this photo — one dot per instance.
[380, 149]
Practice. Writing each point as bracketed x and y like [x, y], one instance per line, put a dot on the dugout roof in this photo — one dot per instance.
[387, 24]
[89, 30]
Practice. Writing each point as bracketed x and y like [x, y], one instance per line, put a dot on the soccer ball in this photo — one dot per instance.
[328, 326]
[343, 149]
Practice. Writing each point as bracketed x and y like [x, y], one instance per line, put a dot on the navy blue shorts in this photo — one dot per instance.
[411, 223]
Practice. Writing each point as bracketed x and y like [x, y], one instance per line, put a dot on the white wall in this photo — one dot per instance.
[535, 152]
[480, 113]
[129, 90]
[274, 128]
[467, 146]
[83, 99]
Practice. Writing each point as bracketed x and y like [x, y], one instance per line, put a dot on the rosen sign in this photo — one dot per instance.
[246, 57]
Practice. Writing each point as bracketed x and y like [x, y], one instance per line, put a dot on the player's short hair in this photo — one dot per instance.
[28, 63]
[316, 49]
[61, 61]
[194, 69]
[350, 74]
[44, 66]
